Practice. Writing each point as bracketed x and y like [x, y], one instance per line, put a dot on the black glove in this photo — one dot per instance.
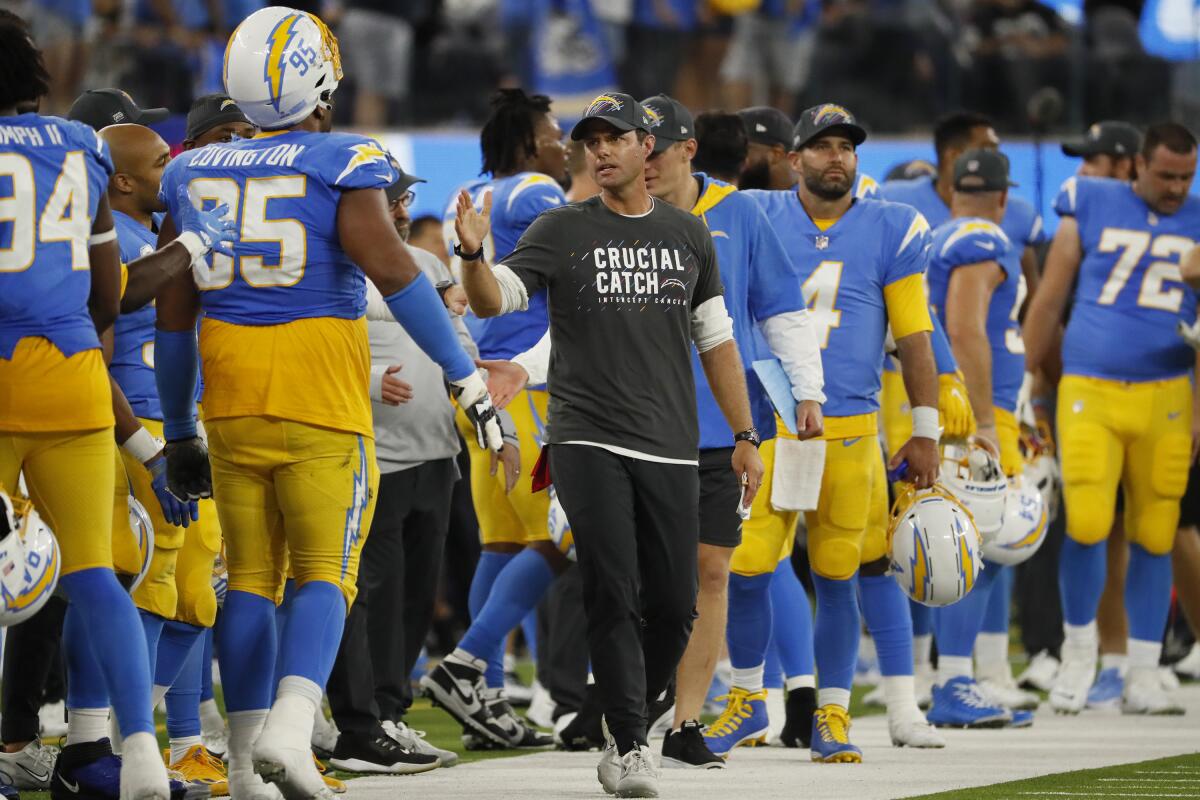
[188, 474]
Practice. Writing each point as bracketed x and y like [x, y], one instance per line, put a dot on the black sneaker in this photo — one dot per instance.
[686, 749]
[521, 735]
[376, 752]
[797, 730]
[458, 690]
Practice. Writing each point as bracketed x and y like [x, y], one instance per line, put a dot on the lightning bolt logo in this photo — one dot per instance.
[278, 39]
[358, 504]
[367, 153]
[967, 563]
[919, 566]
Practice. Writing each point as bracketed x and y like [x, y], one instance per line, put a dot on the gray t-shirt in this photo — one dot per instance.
[621, 293]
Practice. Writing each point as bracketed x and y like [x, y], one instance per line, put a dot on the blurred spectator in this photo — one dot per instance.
[1118, 70]
[376, 42]
[770, 55]
[698, 84]
[657, 44]
[61, 29]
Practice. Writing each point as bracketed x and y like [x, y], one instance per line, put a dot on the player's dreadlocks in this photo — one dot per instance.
[507, 139]
[23, 76]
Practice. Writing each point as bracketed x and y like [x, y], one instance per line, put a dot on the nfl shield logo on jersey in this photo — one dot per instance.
[821, 242]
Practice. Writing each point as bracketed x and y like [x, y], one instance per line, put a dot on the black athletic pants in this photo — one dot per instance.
[562, 663]
[636, 527]
[397, 582]
[31, 659]
[1035, 590]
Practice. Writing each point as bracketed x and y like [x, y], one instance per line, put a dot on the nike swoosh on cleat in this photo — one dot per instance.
[71, 787]
[41, 777]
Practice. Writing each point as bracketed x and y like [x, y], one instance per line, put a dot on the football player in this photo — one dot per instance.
[826, 229]
[524, 155]
[1124, 401]
[284, 351]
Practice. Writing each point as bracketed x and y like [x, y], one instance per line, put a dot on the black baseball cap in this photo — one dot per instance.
[981, 170]
[211, 110]
[825, 118]
[670, 121]
[767, 125]
[1110, 138]
[402, 185]
[617, 109]
[103, 107]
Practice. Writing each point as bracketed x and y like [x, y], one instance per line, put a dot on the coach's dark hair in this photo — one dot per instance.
[954, 130]
[508, 137]
[1171, 135]
[721, 144]
[23, 76]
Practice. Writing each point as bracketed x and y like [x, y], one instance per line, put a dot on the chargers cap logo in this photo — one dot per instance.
[655, 118]
[604, 104]
[831, 114]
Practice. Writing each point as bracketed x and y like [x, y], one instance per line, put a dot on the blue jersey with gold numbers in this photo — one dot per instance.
[53, 173]
[283, 333]
[870, 260]
[969, 240]
[1129, 297]
[760, 282]
[132, 363]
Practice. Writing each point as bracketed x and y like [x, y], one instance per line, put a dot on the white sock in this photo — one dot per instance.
[244, 729]
[180, 747]
[1080, 641]
[293, 712]
[114, 732]
[833, 697]
[460, 656]
[922, 649]
[211, 720]
[1117, 661]
[86, 725]
[954, 667]
[900, 695]
[991, 650]
[1144, 655]
[750, 678]
[157, 694]
[800, 682]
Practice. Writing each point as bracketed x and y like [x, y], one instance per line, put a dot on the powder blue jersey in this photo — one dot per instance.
[1022, 224]
[133, 334]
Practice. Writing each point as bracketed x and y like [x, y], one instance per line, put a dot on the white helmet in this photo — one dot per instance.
[971, 471]
[934, 546]
[279, 64]
[142, 529]
[29, 560]
[560, 527]
[1024, 527]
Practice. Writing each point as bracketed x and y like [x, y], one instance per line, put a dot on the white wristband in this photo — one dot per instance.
[142, 446]
[107, 236]
[925, 423]
[193, 244]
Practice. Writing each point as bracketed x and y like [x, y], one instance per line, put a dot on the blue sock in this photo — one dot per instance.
[958, 624]
[175, 648]
[206, 684]
[310, 643]
[835, 632]
[529, 631]
[516, 590]
[1147, 593]
[773, 671]
[888, 620]
[749, 629]
[152, 626]
[922, 618]
[282, 612]
[246, 649]
[792, 625]
[85, 681]
[486, 571]
[106, 613]
[183, 699]
[1081, 573]
[995, 618]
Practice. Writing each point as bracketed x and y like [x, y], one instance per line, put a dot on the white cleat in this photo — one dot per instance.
[292, 770]
[1072, 683]
[143, 774]
[915, 732]
[1168, 678]
[541, 707]
[639, 775]
[1006, 693]
[1040, 673]
[249, 786]
[324, 734]
[1144, 694]
[875, 698]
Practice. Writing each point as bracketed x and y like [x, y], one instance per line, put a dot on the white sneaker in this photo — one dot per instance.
[1040, 673]
[639, 774]
[30, 767]
[776, 715]
[414, 740]
[875, 698]
[924, 677]
[1188, 668]
[914, 732]
[1006, 693]
[541, 707]
[1144, 694]
[608, 771]
[143, 774]
[52, 720]
[1168, 678]
[1072, 683]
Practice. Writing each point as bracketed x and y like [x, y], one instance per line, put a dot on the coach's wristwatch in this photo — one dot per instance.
[478, 254]
[442, 287]
[749, 435]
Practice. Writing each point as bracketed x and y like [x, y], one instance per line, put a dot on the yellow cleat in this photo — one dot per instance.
[831, 737]
[200, 766]
[333, 784]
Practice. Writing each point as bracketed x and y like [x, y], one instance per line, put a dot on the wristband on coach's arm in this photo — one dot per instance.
[141, 445]
[423, 314]
[175, 374]
[925, 423]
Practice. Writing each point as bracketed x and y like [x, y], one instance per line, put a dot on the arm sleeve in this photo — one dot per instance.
[907, 306]
[175, 370]
[793, 339]
[423, 314]
[536, 360]
[711, 324]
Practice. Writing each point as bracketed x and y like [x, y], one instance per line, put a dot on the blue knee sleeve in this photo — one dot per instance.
[486, 571]
[835, 632]
[791, 625]
[245, 644]
[957, 625]
[175, 648]
[748, 631]
[995, 618]
[888, 620]
[1147, 593]
[309, 649]
[516, 590]
[206, 684]
[106, 617]
[922, 618]
[183, 699]
[1081, 573]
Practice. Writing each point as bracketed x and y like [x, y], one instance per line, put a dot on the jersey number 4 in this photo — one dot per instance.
[64, 218]
[821, 292]
[1132, 246]
[250, 206]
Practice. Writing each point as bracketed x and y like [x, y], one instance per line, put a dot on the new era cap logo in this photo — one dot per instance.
[973, 166]
[760, 128]
[683, 129]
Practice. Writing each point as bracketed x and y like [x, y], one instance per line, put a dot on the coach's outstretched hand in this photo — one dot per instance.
[188, 474]
[472, 226]
[505, 380]
[473, 398]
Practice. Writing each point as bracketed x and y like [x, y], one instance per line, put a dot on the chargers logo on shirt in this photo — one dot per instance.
[279, 38]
